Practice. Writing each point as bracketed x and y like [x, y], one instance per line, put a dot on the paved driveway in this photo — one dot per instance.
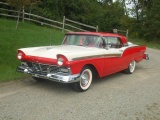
[115, 97]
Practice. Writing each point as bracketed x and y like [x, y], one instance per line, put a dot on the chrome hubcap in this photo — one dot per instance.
[132, 66]
[85, 79]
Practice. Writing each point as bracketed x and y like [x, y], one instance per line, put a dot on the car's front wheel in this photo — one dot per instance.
[85, 80]
[131, 67]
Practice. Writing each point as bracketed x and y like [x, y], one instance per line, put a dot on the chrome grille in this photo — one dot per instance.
[42, 68]
[36, 67]
[53, 69]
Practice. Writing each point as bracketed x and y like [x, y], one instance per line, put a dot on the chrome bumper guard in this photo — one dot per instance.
[146, 56]
[57, 77]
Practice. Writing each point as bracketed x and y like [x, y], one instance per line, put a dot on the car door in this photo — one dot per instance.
[112, 55]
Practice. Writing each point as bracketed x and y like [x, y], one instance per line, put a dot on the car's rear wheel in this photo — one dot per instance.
[131, 67]
[85, 80]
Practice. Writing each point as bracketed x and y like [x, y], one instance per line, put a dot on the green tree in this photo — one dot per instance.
[151, 26]
[111, 16]
[145, 18]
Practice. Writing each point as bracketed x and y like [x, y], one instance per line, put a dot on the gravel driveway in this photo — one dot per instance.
[115, 97]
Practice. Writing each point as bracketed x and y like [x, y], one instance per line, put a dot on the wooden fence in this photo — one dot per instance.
[65, 25]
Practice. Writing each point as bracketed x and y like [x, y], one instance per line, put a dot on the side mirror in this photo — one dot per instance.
[108, 46]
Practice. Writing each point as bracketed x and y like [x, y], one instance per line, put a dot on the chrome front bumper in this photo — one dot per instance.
[57, 77]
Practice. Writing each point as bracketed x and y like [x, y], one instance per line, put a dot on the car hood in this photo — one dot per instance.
[69, 51]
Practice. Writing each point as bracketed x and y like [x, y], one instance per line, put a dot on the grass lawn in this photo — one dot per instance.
[27, 35]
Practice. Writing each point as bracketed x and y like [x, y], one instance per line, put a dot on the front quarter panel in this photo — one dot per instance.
[77, 65]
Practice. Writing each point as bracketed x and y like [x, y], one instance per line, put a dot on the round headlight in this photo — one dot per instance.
[19, 56]
[60, 61]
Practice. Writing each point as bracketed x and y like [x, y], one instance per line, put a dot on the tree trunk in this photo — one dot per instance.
[142, 10]
[125, 8]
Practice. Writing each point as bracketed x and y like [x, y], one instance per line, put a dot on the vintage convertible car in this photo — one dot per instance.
[82, 56]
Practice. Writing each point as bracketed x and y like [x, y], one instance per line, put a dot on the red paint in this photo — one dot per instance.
[39, 60]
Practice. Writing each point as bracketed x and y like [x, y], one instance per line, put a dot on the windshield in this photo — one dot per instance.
[83, 40]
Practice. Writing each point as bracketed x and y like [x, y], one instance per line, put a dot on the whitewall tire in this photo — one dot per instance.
[85, 80]
[131, 67]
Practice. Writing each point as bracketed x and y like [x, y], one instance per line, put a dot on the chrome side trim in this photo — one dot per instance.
[97, 56]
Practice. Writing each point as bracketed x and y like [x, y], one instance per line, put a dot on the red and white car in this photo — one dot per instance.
[81, 56]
